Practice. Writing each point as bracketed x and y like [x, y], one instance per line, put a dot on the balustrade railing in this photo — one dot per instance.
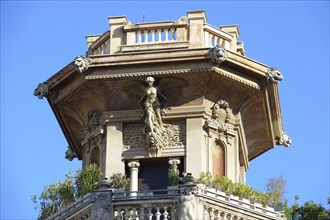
[215, 37]
[155, 36]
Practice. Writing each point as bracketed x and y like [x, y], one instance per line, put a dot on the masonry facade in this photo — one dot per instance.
[149, 96]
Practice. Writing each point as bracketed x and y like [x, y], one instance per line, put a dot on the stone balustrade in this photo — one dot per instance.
[166, 204]
[216, 37]
[185, 33]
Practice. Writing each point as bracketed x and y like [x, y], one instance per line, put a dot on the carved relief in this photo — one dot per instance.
[174, 135]
[218, 54]
[274, 75]
[219, 119]
[82, 63]
[153, 100]
[102, 206]
[41, 91]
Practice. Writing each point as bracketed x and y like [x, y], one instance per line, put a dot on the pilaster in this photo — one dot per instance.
[196, 19]
[195, 150]
[116, 33]
[112, 157]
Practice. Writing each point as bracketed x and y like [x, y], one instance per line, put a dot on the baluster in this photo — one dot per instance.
[152, 36]
[211, 213]
[172, 33]
[119, 214]
[139, 36]
[165, 214]
[150, 214]
[218, 41]
[211, 37]
[218, 215]
[173, 212]
[159, 33]
[134, 214]
[142, 213]
[166, 34]
[158, 214]
[145, 33]
[126, 214]
[216, 38]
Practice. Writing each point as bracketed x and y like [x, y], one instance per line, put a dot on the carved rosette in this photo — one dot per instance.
[274, 75]
[285, 140]
[82, 63]
[218, 54]
[42, 90]
[70, 154]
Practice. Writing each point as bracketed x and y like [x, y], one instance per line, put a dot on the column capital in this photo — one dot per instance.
[133, 165]
[174, 161]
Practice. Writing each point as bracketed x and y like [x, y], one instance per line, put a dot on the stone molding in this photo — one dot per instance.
[72, 90]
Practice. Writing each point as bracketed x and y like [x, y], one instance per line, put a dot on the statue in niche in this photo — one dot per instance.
[153, 100]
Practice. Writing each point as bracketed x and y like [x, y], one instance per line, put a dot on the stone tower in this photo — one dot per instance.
[180, 93]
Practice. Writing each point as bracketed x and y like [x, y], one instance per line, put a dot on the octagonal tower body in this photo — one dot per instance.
[214, 109]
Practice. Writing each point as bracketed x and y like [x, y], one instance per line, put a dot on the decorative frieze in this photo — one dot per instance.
[134, 136]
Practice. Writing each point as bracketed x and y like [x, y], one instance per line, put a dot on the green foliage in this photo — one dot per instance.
[310, 211]
[173, 175]
[241, 190]
[60, 194]
[119, 181]
[54, 197]
[86, 179]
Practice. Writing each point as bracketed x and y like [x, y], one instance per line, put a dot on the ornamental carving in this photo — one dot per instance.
[41, 91]
[274, 75]
[218, 54]
[285, 140]
[219, 119]
[102, 206]
[153, 100]
[70, 154]
[134, 136]
[82, 63]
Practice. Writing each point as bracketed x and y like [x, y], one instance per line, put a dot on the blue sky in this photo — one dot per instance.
[38, 38]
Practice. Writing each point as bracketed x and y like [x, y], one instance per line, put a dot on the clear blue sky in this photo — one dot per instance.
[39, 38]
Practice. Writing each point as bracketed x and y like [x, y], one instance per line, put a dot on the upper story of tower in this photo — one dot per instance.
[195, 67]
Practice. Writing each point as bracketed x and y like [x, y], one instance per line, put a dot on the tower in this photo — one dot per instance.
[151, 96]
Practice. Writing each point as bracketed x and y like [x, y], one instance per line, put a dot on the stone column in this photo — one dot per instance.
[117, 33]
[174, 172]
[134, 168]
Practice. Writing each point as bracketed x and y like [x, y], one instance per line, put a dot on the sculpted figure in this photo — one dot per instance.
[152, 101]
[152, 111]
